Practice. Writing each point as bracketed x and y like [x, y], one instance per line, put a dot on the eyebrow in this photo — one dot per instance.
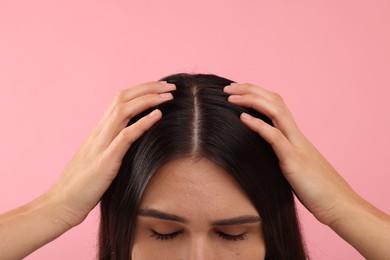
[153, 213]
[236, 221]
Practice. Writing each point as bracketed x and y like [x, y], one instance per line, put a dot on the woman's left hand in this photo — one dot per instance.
[316, 183]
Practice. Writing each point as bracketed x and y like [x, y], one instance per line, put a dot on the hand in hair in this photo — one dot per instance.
[315, 182]
[86, 177]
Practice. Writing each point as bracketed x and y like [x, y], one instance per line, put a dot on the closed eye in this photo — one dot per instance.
[229, 237]
[169, 236]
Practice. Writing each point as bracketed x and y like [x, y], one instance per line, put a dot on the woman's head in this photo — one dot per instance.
[185, 181]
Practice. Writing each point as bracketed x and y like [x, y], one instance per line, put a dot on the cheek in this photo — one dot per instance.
[152, 249]
[142, 251]
[147, 247]
[171, 250]
[251, 249]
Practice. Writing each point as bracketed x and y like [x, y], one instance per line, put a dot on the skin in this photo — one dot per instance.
[95, 164]
[86, 177]
[201, 194]
[317, 184]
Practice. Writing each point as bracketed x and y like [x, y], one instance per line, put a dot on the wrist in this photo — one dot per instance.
[364, 227]
[333, 208]
[54, 207]
[345, 212]
[40, 217]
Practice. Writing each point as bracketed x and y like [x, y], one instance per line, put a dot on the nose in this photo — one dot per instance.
[200, 249]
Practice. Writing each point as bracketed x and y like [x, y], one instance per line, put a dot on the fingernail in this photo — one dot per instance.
[165, 95]
[170, 85]
[246, 116]
[164, 82]
[154, 113]
[231, 85]
[234, 97]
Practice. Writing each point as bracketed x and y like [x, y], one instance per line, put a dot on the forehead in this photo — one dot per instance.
[199, 188]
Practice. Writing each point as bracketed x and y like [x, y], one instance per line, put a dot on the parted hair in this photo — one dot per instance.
[200, 122]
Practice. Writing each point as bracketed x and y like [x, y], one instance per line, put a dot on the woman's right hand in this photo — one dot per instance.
[86, 177]
[96, 163]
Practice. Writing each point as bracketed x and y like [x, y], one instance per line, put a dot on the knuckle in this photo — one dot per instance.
[141, 125]
[251, 96]
[119, 97]
[119, 111]
[151, 85]
[276, 135]
[124, 134]
[298, 155]
[245, 85]
[250, 86]
[279, 107]
[100, 161]
[279, 111]
[156, 88]
[259, 125]
[116, 112]
[275, 97]
[252, 99]
[149, 99]
[154, 97]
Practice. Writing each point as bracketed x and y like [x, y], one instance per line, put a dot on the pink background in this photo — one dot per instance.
[61, 63]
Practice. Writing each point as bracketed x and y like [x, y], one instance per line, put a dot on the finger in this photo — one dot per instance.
[245, 88]
[238, 90]
[280, 144]
[126, 95]
[274, 108]
[123, 114]
[122, 142]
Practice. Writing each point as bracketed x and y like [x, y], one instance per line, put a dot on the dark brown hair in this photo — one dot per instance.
[200, 122]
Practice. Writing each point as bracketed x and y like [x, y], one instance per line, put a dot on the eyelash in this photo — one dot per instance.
[231, 237]
[171, 236]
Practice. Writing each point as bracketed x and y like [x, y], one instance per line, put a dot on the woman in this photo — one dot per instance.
[206, 228]
[202, 142]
